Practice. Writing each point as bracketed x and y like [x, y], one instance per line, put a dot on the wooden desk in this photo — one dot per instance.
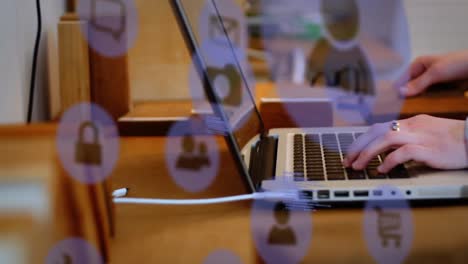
[67, 208]
[160, 234]
[150, 118]
[164, 234]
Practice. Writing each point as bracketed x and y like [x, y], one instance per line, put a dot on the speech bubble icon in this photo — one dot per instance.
[113, 24]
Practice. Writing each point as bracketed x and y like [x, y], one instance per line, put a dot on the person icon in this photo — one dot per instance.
[185, 160]
[66, 259]
[282, 234]
[189, 160]
[203, 159]
[337, 61]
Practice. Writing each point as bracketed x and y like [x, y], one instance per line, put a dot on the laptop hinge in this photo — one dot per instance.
[263, 160]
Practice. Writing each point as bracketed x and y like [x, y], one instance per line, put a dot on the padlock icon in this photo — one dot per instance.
[88, 153]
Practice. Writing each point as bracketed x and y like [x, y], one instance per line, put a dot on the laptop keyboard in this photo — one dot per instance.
[318, 157]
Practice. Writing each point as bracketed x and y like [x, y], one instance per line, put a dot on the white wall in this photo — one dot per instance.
[437, 26]
[11, 97]
[18, 31]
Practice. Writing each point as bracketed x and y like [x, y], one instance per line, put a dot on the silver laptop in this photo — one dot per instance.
[311, 159]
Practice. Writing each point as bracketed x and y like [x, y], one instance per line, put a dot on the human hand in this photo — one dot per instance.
[436, 142]
[428, 70]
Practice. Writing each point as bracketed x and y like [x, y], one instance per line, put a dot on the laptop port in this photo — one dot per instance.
[306, 195]
[377, 192]
[341, 194]
[361, 193]
[323, 194]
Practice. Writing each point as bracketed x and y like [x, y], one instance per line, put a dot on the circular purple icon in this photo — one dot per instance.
[222, 256]
[112, 26]
[74, 250]
[335, 51]
[227, 68]
[282, 234]
[223, 20]
[388, 226]
[192, 159]
[88, 143]
[350, 84]
[224, 39]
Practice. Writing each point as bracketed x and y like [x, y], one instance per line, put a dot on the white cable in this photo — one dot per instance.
[120, 192]
[119, 199]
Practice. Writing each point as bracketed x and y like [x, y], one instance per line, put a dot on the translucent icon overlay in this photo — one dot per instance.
[74, 251]
[282, 233]
[388, 225]
[222, 256]
[192, 156]
[88, 143]
[112, 25]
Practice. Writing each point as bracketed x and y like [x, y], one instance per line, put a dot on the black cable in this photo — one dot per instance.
[34, 63]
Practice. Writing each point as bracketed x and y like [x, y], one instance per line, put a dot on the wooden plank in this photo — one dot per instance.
[110, 86]
[74, 63]
[159, 61]
[75, 209]
[154, 118]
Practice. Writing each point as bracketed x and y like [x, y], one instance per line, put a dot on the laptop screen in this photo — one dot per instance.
[219, 30]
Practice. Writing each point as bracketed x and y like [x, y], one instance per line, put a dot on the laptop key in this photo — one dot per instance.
[333, 162]
[375, 175]
[315, 175]
[298, 160]
[355, 175]
[399, 172]
[372, 171]
[346, 140]
[314, 161]
[336, 175]
[299, 178]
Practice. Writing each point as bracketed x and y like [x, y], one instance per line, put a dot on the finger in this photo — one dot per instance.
[418, 85]
[404, 154]
[416, 70]
[420, 65]
[434, 74]
[361, 142]
[382, 144]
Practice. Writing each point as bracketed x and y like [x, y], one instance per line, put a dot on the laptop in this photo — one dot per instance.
[309, 158]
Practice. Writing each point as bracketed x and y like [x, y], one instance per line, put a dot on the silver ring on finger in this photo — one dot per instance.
[395, 126]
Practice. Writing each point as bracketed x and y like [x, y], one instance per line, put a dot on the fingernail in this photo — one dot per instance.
[345, 162]
[355, 166]
[403, 90]
[380, 169]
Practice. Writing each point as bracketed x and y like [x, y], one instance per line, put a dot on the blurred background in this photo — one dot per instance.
[149, 89]
[435, 26]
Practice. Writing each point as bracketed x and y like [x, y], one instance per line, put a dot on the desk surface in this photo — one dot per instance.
[168, 234]
[440, 104]
[162, 234]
